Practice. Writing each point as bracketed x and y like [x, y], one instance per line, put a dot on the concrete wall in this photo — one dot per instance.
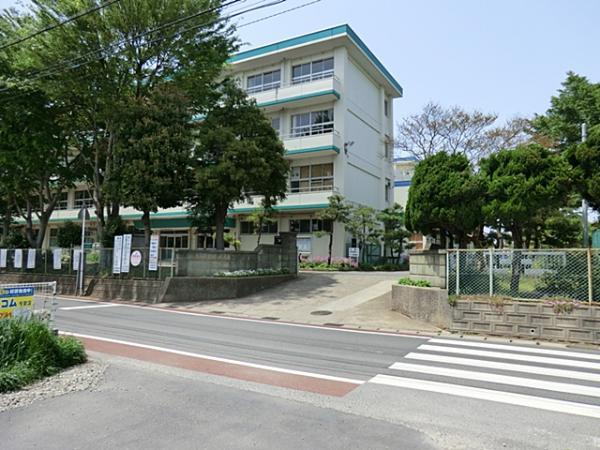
[527, 319]
[65, 283]
[127, 289]
[197, 289]
[429, 266]
[425, 304]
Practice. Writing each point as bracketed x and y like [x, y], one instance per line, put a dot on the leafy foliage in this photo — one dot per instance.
[394, 230]
[239, 155]
[337, 211]
[31, 351]
[363, 225]
[446, 197]
[411, 282]
[69, 235]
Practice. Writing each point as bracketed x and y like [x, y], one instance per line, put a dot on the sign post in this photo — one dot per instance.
[83, 216]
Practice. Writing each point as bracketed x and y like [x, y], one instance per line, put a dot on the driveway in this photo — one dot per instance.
[351, 299]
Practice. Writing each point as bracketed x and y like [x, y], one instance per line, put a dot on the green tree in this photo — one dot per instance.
[394, 230]
[445, 197]
[337, 211]
[239, 155]
[261, 217]
[154, 154]
[363, 225]
[523, 183]
[69, 235]
[577, 102]
[585, 160]
[93, 65]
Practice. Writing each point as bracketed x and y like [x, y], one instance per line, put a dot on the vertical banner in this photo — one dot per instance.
[153, 253]
[3, 254]
[76, 260]
[117, 250]
[18, 262]
[57, 258]
[126, 255]
[31, 258]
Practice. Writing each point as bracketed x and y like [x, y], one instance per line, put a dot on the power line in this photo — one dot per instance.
[59, 24]
[278, 14]
[180, 32]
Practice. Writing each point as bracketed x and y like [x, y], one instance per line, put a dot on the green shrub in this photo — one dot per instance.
[411, 282]
[29, 350]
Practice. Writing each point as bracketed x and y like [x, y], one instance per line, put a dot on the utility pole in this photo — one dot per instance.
[584, 204]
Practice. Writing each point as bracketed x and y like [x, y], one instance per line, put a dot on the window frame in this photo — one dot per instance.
[311, 181]
[262, 86]
[309, 73]
[315, 125]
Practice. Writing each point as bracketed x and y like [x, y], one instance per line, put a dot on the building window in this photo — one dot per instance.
[386, 107]
[276, 124]
[317, 177]
[174, 239]
[53, 237]
[247, 227]
[310, 225]
[315, 70]
[388, 189]
[387, 145]
[310, 123]
[83, 199]
[63, 202]
[263, 81]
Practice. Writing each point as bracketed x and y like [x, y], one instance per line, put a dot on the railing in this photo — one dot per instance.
[528, 274]
[294, 82]
[312, 130]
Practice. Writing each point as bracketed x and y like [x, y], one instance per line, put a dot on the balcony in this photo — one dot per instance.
[298, 201]
[303, 92]
[312, 141]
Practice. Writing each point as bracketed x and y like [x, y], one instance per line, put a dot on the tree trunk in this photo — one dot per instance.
[147, 228]
[330, 248]
[443, 242]
[6, 224]
[220, 215]
[260, 224]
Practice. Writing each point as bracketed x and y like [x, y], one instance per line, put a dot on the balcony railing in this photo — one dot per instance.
[294, 82]
[311, 130]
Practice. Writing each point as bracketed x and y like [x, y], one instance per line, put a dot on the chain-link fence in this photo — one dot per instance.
[529, 274]
[97, 262]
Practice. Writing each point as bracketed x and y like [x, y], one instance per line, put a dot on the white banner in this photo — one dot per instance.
[126, 255]
[117, 250]
[57, 258]
[76, 259]
[18, 258]
[31, 258]
[3, 254]
[153, 253]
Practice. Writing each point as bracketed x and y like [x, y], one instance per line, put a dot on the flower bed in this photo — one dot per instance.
[251, 273]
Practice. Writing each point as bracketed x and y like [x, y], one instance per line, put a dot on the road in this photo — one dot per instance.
[429, 392]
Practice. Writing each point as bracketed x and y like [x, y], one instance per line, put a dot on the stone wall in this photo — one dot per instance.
[65, 284]
[127, 289]
[429, 266]
[527, 319]
[425, 304]
[197, 289]
[202, 263]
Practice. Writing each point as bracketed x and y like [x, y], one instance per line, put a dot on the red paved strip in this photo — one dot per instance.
[263, 376]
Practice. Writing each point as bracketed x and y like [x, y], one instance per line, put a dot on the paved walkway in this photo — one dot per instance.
[353, 299]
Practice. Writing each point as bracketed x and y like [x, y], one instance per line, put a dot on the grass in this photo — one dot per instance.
[29, 351]
[411, 282]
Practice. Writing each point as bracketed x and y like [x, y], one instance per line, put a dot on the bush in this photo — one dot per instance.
[29, 350]
[411, 282]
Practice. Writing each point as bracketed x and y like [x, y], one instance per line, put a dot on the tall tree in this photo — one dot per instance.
[577, 102]
[522, 184]
[457, 131]
[153, 155]
[445, 198]
[394, 230]
[239, 155]
[122, 52]
[337, 211]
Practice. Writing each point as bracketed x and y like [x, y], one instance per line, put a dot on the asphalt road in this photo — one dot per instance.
[418, 392]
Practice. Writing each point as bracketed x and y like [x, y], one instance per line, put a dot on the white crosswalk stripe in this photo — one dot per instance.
[572, 386]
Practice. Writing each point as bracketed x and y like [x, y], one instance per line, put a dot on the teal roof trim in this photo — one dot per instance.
[312, 150]
[299, 97]
[316, 36]
[280, 208]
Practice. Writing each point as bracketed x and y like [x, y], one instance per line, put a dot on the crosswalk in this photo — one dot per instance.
[555, 380]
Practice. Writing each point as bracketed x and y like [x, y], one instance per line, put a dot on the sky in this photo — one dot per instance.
[504, 56]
